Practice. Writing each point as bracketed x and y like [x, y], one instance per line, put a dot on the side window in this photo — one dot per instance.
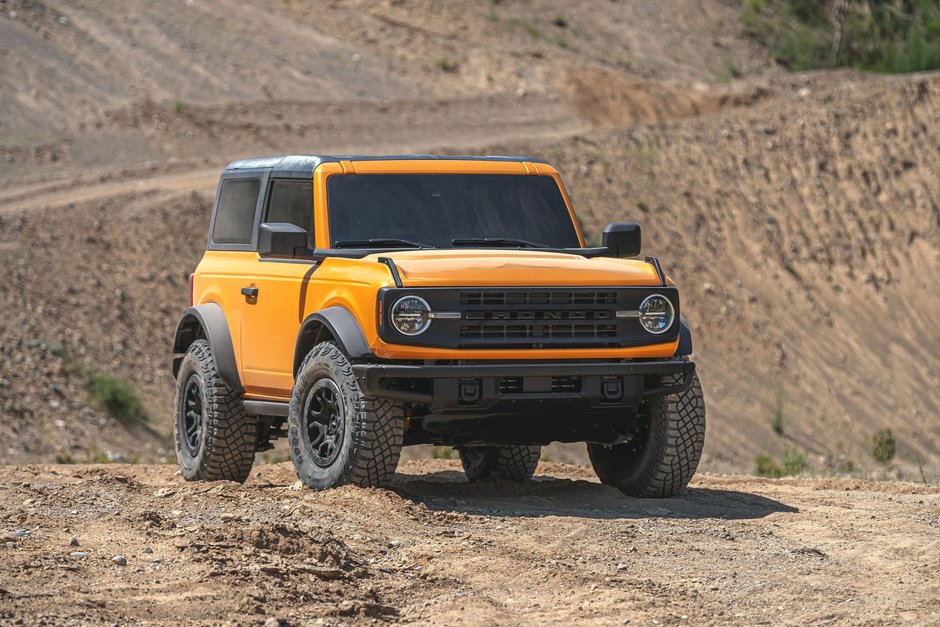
[292, 201]
[235, 215]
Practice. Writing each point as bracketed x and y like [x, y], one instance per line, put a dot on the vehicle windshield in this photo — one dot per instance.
[449, 210]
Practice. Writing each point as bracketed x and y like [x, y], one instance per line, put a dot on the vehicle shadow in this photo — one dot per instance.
[449, 491]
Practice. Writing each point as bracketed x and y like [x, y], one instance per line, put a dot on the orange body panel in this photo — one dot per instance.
[264, 333]
[478, 268]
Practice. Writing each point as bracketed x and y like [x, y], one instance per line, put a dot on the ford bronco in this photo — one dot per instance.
[356, 305]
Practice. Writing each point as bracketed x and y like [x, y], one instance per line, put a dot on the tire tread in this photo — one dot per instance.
[510, 462]
[231, 434]
[378, 431]
[677, 440]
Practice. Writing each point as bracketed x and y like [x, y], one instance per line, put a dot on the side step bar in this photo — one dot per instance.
[266, 408]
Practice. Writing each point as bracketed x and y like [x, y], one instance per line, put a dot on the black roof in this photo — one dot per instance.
[293, 166]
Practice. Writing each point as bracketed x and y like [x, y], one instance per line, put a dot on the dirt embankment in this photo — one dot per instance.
[561, 549]
[73, 73]
[794, 226]
[798, 214]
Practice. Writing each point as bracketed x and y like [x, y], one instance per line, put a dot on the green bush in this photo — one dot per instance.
[767, 467]
[115, 395]
[730, 71]
[443, 452]
[794, 462]
[118, 397]
[877, 35]
[448, 64]
[98, 457]
[883, 446]
[776, 423]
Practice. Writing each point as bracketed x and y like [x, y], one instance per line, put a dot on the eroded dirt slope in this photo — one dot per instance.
[795, 225]
[798, 230]
[68, 66]
[798, 213]
[561, 549]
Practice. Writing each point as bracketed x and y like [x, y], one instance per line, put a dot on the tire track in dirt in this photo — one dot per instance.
[203, 133]
[203, 181]
[585, 99]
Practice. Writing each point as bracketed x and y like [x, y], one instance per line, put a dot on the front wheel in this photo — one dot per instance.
[662, 456]
[338, 435]
[511, 462]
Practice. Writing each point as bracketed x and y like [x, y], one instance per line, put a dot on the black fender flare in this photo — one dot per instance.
[340, 323]
[208, 321]
[685, 338]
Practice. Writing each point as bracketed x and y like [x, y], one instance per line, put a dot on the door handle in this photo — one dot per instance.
[251, 294]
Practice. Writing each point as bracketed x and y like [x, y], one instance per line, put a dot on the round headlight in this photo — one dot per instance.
[656, 314]
[411, 315]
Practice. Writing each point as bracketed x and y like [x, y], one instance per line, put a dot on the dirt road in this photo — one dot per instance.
[434, 548]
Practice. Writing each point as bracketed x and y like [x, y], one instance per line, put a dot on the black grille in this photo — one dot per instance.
[510, 385]
[560, 385]
[532, 298]
[529, 318]
[540, 331]
[566, 384]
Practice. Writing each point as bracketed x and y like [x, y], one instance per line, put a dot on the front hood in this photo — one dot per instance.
[480, 268]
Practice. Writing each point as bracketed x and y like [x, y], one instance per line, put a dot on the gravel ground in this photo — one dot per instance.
[135, 543]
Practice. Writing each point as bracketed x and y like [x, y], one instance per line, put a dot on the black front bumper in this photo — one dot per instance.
[513, 387]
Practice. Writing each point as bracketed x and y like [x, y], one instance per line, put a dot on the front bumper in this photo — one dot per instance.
[522, 387]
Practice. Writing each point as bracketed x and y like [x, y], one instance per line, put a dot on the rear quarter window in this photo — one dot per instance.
[292, 202]
[235, 214]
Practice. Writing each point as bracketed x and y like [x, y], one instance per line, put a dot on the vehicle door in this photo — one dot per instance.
[275, 293]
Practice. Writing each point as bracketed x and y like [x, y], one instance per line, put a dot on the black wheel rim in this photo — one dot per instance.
[324, 422]
[192, 416]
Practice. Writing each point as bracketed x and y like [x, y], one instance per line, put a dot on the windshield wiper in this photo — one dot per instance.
[496, 242]
[379, 242]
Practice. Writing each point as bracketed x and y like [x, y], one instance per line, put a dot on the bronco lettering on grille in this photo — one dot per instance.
[538, 315]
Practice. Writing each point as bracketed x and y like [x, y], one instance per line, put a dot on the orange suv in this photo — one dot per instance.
[361, 304]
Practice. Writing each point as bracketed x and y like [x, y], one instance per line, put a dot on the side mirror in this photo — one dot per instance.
[622, 238]
[281, 239]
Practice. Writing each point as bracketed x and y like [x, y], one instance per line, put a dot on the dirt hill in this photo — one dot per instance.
[798, 213]
[796, 227]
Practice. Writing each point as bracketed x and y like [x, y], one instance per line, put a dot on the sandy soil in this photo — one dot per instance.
[559, 549]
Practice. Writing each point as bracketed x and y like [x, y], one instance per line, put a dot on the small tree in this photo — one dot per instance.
[883, 446]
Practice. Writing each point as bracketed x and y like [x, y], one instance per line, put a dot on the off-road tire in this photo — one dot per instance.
[373, 428]
[224, 447]
[662, 458]
[510, 462]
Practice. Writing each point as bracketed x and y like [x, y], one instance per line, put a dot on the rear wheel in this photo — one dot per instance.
[215, 439]
[511, 462]
[338, 435]
[662, 456]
